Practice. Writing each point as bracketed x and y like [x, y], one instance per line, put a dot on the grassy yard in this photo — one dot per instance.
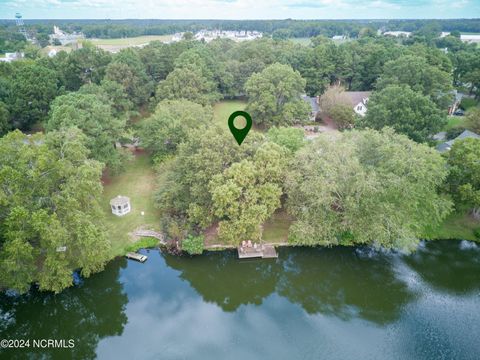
[223, 109]
[276, 228]
[137, 182]
[455, 121]
[132, 41]
[456, 226]
[302, 41]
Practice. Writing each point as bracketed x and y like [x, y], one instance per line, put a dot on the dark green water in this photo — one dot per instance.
[342, 303]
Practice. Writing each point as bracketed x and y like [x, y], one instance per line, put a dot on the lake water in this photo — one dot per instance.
[342, 303]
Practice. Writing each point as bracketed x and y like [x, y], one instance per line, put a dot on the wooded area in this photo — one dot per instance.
[379, 181]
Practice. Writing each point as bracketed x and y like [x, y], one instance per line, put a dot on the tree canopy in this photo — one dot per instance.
[274, 96]
[167, 127]
[189, 84]
[203, 154]
[464, 175]
[32, 89]
[50, 218]
[247, 193]
[94, 118]
[415, 72]
[407, 111]
[365, 187]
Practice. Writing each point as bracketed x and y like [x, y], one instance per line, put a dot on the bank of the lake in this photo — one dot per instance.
[310, 303]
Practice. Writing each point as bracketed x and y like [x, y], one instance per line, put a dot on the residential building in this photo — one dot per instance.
[359, 101]
[467, 134]
[9, 57]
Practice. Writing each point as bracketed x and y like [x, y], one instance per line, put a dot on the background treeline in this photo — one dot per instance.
[283, 28]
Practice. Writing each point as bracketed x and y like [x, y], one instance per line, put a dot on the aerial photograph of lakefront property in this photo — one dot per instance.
[240, 179]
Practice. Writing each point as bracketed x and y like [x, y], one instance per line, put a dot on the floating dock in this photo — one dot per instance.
[262, 251]
[137, 257]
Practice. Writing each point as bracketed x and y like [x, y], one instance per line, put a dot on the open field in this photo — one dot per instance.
[133, 41]
[223, 109]
[302, 41]
[137, 182]
[115, 45]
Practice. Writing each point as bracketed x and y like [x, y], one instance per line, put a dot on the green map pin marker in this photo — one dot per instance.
[240, 134]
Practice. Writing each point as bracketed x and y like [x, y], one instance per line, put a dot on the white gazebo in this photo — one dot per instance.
[120, 205]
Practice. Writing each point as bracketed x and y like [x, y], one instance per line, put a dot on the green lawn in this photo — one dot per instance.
[455, 121]
[276, 228]
[137, 182]
[132, 40]
[302, 41]
[223, 109]
[456, 226]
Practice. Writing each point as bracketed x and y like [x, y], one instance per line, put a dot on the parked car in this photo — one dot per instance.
[459, 112]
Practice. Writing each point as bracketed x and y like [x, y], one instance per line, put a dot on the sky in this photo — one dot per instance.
[239, 9]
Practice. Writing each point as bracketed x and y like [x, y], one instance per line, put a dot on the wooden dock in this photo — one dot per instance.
[262, 251]
[136, 256]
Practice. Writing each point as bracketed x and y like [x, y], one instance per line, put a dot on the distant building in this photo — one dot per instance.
[339, 37]
[209, 35]
[9, 57]
[468, 38]
[63, 37]
[467, 134]
[397, 33]
[359, 101]
[52, 52]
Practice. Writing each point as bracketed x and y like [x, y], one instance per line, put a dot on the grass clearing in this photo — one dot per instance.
[454, 121]
[223, 109]
[302, 41]
[137, 182]
[275, 230]
[131, 41]
[456, 226]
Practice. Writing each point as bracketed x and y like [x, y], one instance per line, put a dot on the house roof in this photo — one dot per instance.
[467, 134]
[357, 96]
[312, 101]
[464, 135]
[119, 200]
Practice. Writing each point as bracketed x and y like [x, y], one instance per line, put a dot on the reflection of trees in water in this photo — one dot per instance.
[330, 281]
[448, 265]
[221, 278]
[85, 314]
[339, 282]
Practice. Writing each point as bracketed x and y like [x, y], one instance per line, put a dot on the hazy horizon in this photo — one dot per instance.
[240, 9]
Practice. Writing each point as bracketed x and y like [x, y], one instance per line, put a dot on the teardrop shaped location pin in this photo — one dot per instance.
[240, 134]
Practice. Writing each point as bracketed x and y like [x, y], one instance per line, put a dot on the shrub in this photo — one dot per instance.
[467, 103]
[193, 244]
[476, 232]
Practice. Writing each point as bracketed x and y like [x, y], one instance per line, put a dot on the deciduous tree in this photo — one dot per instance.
[94, 118]
[464, 175]
[365, 187]
[275, 96]
[407, 111]
[167, 127]
[50, 218]
[246, 194]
